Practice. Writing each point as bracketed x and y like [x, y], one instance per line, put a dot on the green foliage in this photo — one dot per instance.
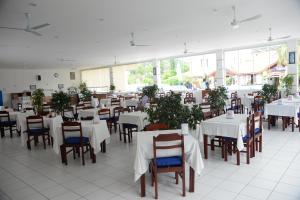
[150, 91]
[86, 93]
[142, 75]
[60, 101]
[268, 92]
[170, 111]
[37, 100]
[287, 83]
[168, 69]
[229, 80]
[217, 98]
[112, 88]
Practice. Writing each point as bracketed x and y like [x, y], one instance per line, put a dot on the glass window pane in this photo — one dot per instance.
[96, 79]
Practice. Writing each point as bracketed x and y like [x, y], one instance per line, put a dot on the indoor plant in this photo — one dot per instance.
[268, 92]
[287, 84]
[170, 111]
[85, 92]
[112, 88]
[217, 98]
[60, 101]
[37, 100]
[150, 91]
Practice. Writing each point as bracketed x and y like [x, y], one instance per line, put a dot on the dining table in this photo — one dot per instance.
[235, 127]
[138, 118]
[144, 154]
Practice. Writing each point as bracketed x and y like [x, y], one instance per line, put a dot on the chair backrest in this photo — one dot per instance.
[115, 102]
[233, 103]
[257, 103]
[79, 107]
[206, 107]
[4, 116]
[35, 121]
[71, 129]
[104, 113]
[47, 107]
[189, 100]
[127, 110]
[87, 107]
[87, 103]
[117, 111]
[257, 120]
[156, 126]
[164, 142]
[233, 95]
[238, 101]
[249, 126]
[121, 97]
[189, 95]
[131, 108]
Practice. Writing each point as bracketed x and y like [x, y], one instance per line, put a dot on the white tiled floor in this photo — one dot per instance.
[39, 174]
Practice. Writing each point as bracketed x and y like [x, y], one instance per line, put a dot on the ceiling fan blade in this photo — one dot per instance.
[282, 38]
[40, 26]
[142, 45]
[250, 18]
[33, 32]
[4, 27]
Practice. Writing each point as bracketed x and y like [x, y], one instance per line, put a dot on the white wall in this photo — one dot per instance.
[18, 80]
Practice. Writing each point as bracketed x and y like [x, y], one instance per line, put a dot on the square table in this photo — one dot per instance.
[144, 154]
[221, 126]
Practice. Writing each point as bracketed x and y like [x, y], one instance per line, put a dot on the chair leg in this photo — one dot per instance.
[176, 177]
[74, 153]
[10, 131]
[28, 143]
[225, 150]
[260, 143]
[155, 184]
[2, 132]
[238, 160]
[44, 141]
[212, 144]
[120, 133]
[82, 155]
[248, 152]
[183, 182]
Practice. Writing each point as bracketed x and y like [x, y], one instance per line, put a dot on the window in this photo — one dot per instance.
[190, 72]
[255, 66]
[96, 79]
[133, 77]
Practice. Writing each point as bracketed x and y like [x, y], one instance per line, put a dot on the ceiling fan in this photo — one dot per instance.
[186, 51]
[133, 44]
[270, 38]
[235, 23]
[28, 28]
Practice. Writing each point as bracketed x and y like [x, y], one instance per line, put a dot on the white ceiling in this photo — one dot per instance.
[78, 33]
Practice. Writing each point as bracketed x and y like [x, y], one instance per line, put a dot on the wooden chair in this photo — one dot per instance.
[236, 106]
[248, 140]
[35, 128]
[70, 116]
[78, 108]
[131, 108]
[7, 123]
[104, 114]
[156, 126]
[189, 100]
[87, 104]
[257, 123]
[115, 102]
[168, 164]
[233, 95]
[72, 137]
[257, 104]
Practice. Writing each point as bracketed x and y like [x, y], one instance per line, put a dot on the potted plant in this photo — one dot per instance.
[150, 91]
[287, 84]
[268, 92]
[60, 101]
[171, 112]
[217, 98]
[112, 88]
[37, 100]
[85, 92]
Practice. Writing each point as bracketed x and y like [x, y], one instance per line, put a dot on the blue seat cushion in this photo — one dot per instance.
[169, 161]
[229, 138]
[8, 123]
[246, 138]
[104, 118]
[38, 130]
[257, 131]
[298, 114]
[76, 140]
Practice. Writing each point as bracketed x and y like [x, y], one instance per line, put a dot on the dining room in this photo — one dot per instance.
[149, 100]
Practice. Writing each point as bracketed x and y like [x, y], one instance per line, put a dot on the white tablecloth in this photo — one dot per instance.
[287, 109]
[144, 152]
[130, 102]
[88, 113]
[20, 117]
[95, 102]
[138, 118]
[96, 131]
[221, 126]
[105, 102]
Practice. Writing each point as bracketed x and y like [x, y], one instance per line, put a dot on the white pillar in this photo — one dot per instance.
[156, 73]
[111, 76]
[293, 68]
[220, 76]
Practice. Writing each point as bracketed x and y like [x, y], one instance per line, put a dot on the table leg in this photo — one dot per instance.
[143, 185]
[103, 146]
[205, 145]
[192, 180]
